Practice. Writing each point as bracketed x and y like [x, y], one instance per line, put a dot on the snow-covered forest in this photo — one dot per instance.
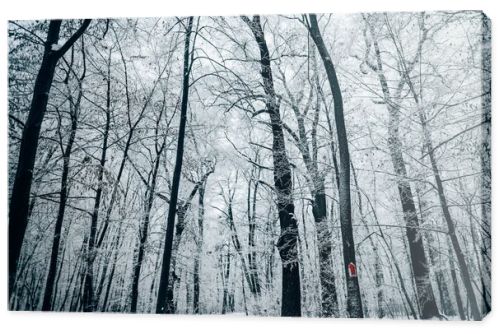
[308, 165]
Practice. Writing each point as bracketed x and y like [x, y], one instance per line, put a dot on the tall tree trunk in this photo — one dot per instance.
[89, 303]
[418, 259]
[21, 189]
[354, 303]
[161, 305]
[462, 265]
[486, 163]
[287, 243]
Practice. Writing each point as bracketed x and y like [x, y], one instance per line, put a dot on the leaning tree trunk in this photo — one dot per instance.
[287, 243]
[462, 265]
[161, 305]
[21, 189]
[354, 304]
[458, 297]
[418, 259]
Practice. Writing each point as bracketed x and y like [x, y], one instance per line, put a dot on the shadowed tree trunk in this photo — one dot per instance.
[162, 302]
[20, 197]
[287, 243]
[354, 304]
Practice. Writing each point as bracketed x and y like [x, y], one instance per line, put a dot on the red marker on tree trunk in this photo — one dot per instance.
[351, 267]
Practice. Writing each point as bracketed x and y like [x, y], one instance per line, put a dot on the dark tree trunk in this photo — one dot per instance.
[486, 163]
[329, 302]
[287, 243]
[354, 303]
[199, 250]
[20, 197]
[161, 305]
[173, 278]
